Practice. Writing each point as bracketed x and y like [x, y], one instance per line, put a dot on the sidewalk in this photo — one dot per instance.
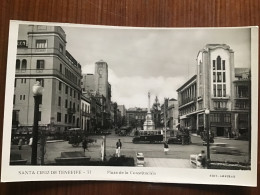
[168, 162]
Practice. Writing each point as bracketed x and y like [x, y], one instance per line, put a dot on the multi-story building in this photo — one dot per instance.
[187, 103]
[136, 116]
[85, 113]
[42, 56]
[98, 84]
[241, 106]
[170, 113]
[217, 86]
[122, 110]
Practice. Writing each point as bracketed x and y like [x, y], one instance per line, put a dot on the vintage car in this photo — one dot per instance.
[140, 159]
[180, 139]
[224, 148]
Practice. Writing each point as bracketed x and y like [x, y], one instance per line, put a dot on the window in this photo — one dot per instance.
[223, 65]
[218, 63]
[58, 117]
[224, 77]
[40, 64]
[70, 118]
[14, 100]
[220, 104]
[70, 92]
[41, 81]
[61, 48]
[18, 64]
[40, 44]
[73, 119]
[214, 77]
[66, 103]
[24, 64]
[67, 89]
[219, 90]
[227, 118]
[23, 97]
[23, 80]
[214, 64]
[40, 116]
[59, 101]
[224, 90]
[15, 80]
[60, 85]
[66, 118]
[61, 68]
[219, 77]
[70, 104]
[74, 94]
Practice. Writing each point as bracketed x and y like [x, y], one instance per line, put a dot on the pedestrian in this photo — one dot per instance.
[118, 147]
[202, 159]
[85, 144]
[20, 143]
[165, 147]
[30, 141]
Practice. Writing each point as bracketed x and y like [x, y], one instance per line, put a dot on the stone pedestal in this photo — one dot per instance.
[149, 124]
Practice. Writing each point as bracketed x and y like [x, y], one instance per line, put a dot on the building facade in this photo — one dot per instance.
[170, 113]
[217, 86]
[85, 113]
[98, 85]
[135, 117]
[42, 56]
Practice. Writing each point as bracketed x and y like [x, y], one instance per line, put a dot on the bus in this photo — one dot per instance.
[150, 136]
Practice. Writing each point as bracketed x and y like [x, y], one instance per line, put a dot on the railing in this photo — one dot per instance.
[21, 43]
[187, 100]
[71, 110]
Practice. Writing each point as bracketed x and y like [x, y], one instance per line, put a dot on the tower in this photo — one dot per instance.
[148, 123]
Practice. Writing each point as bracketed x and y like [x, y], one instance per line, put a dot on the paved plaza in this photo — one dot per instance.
[178, 155]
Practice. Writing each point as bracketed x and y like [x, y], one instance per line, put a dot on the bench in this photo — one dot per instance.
[72, 158]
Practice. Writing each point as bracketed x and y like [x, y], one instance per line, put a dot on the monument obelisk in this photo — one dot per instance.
[148, 123]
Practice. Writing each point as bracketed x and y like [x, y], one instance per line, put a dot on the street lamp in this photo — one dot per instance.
[207, 129]
[37, 94]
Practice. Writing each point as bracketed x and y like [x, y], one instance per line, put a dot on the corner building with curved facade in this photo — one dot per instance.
[42, 56]
[219, 87]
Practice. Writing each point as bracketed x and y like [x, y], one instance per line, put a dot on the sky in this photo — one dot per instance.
[155, 60]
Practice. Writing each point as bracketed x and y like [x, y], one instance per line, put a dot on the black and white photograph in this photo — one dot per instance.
[154, 103]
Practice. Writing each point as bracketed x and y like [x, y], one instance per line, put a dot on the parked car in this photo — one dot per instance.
[224, 148]
[140, 159]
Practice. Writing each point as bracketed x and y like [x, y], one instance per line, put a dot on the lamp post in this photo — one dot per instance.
[207, 129]
[37, 94]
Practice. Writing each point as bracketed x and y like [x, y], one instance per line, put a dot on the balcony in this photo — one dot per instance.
[71, 110]
[21, 44]
[220, 109]
[86, 114]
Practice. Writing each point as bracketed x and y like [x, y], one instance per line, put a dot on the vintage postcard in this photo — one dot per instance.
[173, 105]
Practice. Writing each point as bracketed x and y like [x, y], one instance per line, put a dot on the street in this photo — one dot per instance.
[150, 151]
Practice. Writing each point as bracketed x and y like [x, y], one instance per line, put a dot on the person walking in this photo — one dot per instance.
[20, 143]
[30, 141]
[118, 147]
[165, 147]
[85, 144]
